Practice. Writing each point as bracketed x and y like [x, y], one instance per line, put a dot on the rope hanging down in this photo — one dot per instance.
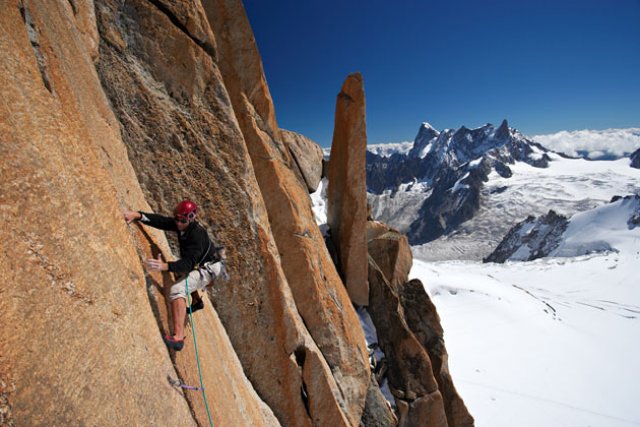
[195, 344]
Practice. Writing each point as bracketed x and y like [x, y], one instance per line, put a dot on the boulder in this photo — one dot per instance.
[391, 253]
[347, 192]
[307, 157]
[88, 350]
[376, 229]
[320, 296]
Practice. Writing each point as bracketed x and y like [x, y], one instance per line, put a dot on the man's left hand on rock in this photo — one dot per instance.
[131, 216]
[157, 264]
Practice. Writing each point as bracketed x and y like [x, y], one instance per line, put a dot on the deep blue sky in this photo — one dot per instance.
[544, 65]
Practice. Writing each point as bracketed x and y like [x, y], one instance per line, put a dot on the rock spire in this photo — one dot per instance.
[347, 192]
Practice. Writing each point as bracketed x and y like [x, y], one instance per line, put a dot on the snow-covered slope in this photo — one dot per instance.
[550, 342]
[607, 228]
[554, 341]
[567, 186]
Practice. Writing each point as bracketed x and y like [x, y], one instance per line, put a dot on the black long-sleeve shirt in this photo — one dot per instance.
[196, 247]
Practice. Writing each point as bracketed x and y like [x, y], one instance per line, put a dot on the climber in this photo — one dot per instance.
[200, 261]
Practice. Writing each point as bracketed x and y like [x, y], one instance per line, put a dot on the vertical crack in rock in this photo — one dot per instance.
[153, 287]
[35, 44]
[207, 47]
[74, 6]
[300, 356]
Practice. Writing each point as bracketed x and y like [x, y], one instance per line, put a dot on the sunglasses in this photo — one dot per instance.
[181, 220]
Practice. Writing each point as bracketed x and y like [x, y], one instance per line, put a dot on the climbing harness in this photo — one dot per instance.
[219, 257]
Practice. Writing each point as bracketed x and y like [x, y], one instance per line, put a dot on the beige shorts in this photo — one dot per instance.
[197, 280]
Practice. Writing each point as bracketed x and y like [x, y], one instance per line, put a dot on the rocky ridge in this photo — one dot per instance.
[319, 294]
[531, 239]
[588, 232]
[410, 335]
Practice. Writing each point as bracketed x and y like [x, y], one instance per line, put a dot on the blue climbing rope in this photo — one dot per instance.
[195, 344]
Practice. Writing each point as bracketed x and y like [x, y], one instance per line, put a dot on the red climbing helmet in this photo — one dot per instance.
[186, 209]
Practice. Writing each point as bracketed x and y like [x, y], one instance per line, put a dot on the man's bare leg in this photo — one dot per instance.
[178, 309]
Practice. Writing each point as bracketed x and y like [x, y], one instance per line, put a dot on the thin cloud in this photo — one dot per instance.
[386, 150]
[595, 143]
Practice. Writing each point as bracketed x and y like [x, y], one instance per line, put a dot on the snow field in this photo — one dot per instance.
[552, 342]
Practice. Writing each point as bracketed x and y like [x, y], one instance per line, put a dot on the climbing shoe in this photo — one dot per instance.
[172, 343]
[198, 305]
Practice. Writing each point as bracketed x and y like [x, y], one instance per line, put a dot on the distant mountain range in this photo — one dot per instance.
[461, 190]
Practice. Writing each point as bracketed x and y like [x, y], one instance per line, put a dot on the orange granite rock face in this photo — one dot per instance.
[347, 191]
[307, 157]
[88, 350]
[109, 105]
[319, 294]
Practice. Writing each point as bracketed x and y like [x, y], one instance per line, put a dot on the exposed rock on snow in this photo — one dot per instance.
[530, 239]
[635, 159]
[307, 157]
[592, 231]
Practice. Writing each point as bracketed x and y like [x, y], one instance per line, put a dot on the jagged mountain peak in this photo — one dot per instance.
[462, 130]
[423, 142]
[427, 125]
[635, 159]
[502, 143]
[503, 131]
